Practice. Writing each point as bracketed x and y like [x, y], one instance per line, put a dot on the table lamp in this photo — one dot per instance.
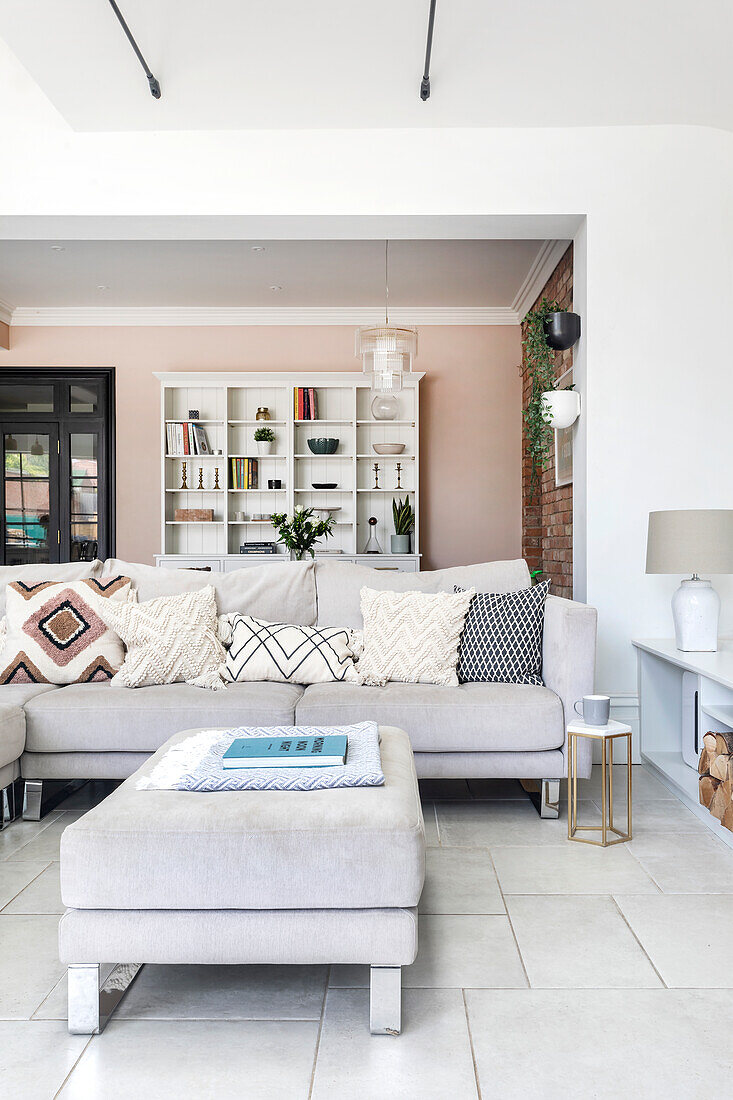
[692, 540]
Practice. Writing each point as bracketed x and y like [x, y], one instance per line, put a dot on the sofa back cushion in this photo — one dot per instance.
[35, 574]
[278, 593]
[339, 584]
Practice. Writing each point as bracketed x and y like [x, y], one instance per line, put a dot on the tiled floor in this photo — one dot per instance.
[545, 968]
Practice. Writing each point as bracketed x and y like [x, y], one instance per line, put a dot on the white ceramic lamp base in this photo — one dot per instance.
[696, 611]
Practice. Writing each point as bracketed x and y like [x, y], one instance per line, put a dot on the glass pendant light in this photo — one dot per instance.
[386, 351]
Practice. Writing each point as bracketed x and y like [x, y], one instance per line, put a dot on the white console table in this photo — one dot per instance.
[681, 697]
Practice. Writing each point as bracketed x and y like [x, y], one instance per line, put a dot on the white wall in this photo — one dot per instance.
[658, 385]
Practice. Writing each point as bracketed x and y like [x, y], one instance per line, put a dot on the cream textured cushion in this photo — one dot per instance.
[259, 650]
[170, 639]
[412, 636]
[55, 633]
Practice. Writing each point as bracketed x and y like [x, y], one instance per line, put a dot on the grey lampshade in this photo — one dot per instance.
[693, 540]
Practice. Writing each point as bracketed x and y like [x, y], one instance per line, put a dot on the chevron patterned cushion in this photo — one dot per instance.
[289, 654]
[412, 636]
[169, 640]
[54, 633]
[502, 638]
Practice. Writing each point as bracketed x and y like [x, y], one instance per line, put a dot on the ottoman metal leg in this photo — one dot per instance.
[385, 1000]
[91, 1005]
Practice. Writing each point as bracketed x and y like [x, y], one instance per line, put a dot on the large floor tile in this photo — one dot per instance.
[29, 963]
[432, 838]
[19, 832]
[652, 816]
[460, 880]
[45, 845]
[694, 863]
[430, 1060]
[14, 877]
[226, 993]
[578, 943]
[601, 1044]
[35, 1058]
[571, 869]
[261, 1060]
[643, 784]
[683, 935]
[492, 824]
[463, 951]
[42, 895]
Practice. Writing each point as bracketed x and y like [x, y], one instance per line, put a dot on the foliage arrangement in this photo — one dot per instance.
[300, 532]
[264, 435]
[403, 516]
[539, 358]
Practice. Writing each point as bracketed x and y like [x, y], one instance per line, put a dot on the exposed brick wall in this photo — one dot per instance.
[547, 518]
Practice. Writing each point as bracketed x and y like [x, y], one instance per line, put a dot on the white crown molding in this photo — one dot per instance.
[545, 263]
[6, 312]
[167, 316]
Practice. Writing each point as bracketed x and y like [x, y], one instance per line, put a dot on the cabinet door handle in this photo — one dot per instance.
[388, 568]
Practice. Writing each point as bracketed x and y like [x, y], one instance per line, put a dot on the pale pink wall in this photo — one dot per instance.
[470, 412]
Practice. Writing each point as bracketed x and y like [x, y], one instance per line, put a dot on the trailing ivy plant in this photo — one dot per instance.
[541, 367]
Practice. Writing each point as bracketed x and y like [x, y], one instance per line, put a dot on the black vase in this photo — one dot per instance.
[562, 330]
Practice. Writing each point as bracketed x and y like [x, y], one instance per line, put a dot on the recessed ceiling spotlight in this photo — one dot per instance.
[57, 248]
[258, 248]
[101, 286]
[275, 288]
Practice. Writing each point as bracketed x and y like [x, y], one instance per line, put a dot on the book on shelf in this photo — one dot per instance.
[261, 551]
[245, 473]
[184, 438]
[305, 403]
[326, 751]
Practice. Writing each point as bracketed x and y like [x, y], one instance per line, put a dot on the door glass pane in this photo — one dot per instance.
[26, 498]
[84, 520]
[25, 398]
[84, 397]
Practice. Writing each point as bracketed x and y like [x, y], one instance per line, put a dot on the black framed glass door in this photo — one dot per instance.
[57, 490]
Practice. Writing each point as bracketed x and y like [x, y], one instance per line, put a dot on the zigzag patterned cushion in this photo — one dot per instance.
[288, 654]
[55, 634]
[502, 638]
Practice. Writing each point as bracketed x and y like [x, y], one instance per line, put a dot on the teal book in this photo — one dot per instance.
[286, 752]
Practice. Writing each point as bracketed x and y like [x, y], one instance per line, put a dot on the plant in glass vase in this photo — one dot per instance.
[300, 532]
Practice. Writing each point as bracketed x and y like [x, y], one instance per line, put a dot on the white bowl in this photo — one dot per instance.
[388, 448]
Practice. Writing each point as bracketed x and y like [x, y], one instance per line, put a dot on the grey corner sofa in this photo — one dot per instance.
[475, 730]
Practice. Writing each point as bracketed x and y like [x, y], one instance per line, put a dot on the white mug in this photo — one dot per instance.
[595, 710]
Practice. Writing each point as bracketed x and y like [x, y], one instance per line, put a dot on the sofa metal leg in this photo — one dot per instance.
[9, 803]
[385, 1000]
[549, 798]
[43, 795]
[91, 1005]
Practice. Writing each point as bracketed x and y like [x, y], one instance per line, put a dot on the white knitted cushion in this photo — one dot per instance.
[170, 639]
[259, 650]
[412, 636]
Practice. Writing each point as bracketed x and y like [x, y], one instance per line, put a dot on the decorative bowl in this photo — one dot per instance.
[388, 448]
[324, 445]
[324, 484]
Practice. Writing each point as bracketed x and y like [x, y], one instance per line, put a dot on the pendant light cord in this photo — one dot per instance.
[386, 283]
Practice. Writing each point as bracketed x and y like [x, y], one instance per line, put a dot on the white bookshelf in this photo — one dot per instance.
[227, 405]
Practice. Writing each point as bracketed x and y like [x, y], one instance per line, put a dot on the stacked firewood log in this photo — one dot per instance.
[716, 776]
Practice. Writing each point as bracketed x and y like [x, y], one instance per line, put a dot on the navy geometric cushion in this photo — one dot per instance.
[502, 637]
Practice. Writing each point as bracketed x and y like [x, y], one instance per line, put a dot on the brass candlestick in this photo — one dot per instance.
[201, 477]
[184, 483]
[216, 477]
[399, 475]
[376, 475]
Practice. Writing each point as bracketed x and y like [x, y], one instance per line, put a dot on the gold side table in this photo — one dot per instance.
[606, 735]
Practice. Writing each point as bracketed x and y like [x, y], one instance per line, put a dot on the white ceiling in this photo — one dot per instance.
[249, 64]
[220, 273]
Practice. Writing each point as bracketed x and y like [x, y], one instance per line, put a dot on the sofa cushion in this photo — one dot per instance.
[17, 695]
[356, 848]
[286, 594]
[33, 574]
[338, 585]
[99, 717]
[12, 735]
[467, 718]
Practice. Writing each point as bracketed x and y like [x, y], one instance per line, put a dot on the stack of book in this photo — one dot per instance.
[258, 548]
[305, 403]
[186, 438]
[286, 752]
[245, 473]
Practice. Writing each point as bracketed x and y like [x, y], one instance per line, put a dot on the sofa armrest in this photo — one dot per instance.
[569, 662]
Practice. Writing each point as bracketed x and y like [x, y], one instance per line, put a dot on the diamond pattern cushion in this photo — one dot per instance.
[55, 634]
[289, 654]
[502, 638]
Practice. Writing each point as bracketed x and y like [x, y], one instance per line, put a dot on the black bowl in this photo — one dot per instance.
[324, 484]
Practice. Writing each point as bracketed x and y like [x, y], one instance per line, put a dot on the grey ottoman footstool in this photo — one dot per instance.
[329, 876]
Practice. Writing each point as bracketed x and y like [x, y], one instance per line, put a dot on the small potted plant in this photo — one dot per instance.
[264, 438]
[300, 532]
[404, 521]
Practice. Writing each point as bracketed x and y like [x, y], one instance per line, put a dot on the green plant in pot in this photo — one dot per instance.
[264, 438]
[404, 521]
[300, 532]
